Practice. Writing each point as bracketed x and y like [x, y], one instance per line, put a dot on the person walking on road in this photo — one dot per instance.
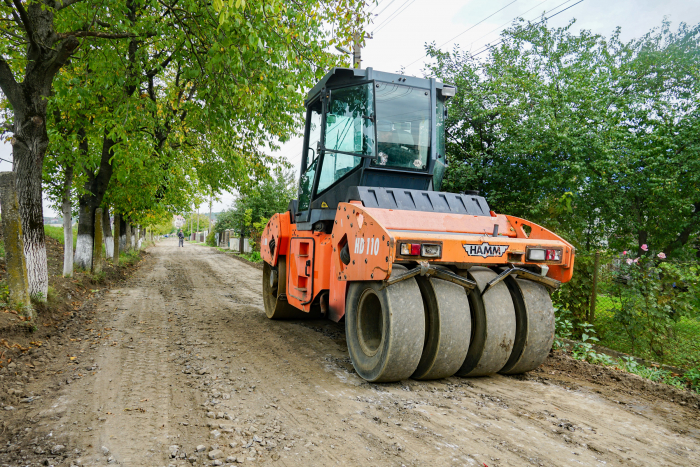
[181, 239]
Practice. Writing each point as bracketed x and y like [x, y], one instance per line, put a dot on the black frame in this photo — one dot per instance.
[327, 98]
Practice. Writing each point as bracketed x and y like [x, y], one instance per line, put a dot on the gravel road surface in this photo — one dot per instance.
[189, 371]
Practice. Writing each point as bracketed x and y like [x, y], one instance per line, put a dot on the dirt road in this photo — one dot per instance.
[187, 370]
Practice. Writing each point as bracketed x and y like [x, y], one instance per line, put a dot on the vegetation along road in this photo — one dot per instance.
[191, 372]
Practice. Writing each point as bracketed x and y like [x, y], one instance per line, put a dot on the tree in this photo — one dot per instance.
[592, 137]
[271, 195]
[33, 52]
[243, 72]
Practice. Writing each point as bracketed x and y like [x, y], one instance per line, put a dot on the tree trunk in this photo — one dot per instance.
[86, 226]
[44, 55]
[67, 209]
[28, 154]
[117, 239]
[97, 251]
[122, 232]
[16, 266]
[127, 231]
[95, 188]
[107, 228]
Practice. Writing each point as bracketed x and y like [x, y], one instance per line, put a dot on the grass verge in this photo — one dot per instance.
[57, 233]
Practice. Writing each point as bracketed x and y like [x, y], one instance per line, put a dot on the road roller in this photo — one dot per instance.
[430, 284]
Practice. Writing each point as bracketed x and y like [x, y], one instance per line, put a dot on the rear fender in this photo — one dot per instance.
[562, 272]
[370, 245]
[275, 238]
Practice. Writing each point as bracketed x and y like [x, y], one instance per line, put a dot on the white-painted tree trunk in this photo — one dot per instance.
[67, 238]
[83, 252]
[108, 238]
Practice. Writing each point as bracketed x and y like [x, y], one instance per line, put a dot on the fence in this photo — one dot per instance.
[590, 291]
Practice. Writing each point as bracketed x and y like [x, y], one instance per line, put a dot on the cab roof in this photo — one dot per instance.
[344, 76]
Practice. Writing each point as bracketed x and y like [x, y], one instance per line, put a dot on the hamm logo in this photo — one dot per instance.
[485, 250]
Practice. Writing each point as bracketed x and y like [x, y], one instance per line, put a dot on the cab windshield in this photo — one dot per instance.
[403, 126]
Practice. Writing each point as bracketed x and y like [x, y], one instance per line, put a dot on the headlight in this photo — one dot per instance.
[536, 254]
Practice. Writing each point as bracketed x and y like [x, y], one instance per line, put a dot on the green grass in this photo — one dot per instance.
[57, 233]
[253, 257]
[682, 351]
[127, 258]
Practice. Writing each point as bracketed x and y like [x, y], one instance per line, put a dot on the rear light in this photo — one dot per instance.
[430, 251]
[410, 249]
[427, 250]
[541, 254]
[553, 255]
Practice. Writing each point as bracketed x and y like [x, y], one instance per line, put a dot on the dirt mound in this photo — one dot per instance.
[577, 370]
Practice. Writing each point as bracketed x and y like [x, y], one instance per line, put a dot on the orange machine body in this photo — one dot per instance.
[374, 236]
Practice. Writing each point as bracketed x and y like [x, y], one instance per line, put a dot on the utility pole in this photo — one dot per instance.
[211, 199]
[357, 49]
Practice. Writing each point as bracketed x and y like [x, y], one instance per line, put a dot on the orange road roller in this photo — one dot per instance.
[431, 284]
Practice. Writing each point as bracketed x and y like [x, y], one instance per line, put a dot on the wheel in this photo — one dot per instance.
[385, 328]
[493, 326]
[448, 326]
[274, 289]
[535, 326]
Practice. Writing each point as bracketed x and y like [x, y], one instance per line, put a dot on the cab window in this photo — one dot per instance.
[403, 127]
[349, 130]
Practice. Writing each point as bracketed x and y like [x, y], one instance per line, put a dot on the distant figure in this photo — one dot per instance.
[181, 237]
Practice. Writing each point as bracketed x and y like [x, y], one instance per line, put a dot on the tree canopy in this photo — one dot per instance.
[594, 137]
[271, 195]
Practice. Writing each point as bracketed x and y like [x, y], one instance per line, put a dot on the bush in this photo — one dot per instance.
[211, 239]
[654, 294]
[574, 297]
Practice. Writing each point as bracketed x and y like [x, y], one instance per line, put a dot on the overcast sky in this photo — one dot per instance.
[403, 27]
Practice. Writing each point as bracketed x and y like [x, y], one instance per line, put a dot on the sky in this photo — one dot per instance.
[401, 28]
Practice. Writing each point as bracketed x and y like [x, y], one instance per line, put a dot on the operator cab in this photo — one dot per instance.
[368, 129]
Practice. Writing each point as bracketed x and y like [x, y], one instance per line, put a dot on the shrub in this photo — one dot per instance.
[654, 294]
[211, 239]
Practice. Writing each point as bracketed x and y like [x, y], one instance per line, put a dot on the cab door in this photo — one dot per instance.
[301, 271]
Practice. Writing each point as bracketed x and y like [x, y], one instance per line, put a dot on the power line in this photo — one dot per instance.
[383, 9]
[511, 20]
[472, 27]
[465, 31]
[393, 16]
[539, 22]
[551, 10]
[481, 51]
[376, 6]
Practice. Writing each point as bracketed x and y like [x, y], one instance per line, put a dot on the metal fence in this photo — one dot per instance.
[590, 291]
